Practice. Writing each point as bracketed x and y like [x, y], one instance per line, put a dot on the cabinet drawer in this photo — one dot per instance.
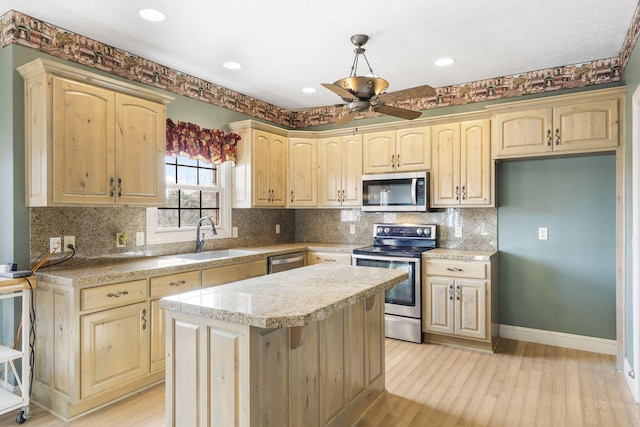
[328, 258]
[474, 270]
[116, 295]
[232, 273]
[174, 284]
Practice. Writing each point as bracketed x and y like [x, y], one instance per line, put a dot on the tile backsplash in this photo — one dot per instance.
[95, 229]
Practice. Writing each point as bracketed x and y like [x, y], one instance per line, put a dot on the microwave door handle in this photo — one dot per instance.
[414, 185]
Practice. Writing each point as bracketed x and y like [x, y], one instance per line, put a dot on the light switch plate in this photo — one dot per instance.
[55, 244]
[140, 238]
[352, 229]
[458, 232]
[277, 228]
[234, 231]
[543, 233]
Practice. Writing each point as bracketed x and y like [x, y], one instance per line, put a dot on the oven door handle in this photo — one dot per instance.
[414, 188]
[385, 258]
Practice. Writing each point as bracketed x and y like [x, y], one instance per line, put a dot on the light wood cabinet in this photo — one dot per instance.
[233, 273]
[303, 175]
[397, 150]
[462, 169]
[460, 303]
[340, 171]
[320, 257]
[566, 124]
[269, 173]
[91, 140]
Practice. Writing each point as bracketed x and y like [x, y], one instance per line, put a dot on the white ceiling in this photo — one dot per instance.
[285, 45]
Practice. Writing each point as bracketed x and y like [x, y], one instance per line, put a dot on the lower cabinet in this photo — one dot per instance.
[316, 257]
[460, 303]
[233, 273]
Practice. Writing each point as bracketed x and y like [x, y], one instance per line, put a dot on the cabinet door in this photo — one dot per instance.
[114, 348]
[261, 169]
[413, 149]
[83, 143]
[328, 258]
[140, 151]
[470, 309]
[233, 273]
[352, 170]
[303, 184]
[475, 163]
[585, 126]
[445, 179]
[522, 132]
[330, 171]
[379, 152]
[438, 305]
[278, 170]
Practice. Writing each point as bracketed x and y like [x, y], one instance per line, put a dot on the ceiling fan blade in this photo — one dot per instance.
[424, 91]
[403, 113]
[340, 91]
[346, 118]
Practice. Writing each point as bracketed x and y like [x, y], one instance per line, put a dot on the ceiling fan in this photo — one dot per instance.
[361, 93]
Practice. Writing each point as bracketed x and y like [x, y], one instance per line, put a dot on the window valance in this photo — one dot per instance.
[197, 143]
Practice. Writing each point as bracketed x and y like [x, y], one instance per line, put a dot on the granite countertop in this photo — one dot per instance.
[458, 254]
[123, 269]
[291, 298]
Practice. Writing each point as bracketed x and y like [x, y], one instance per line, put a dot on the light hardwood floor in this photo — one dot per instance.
[523, 384]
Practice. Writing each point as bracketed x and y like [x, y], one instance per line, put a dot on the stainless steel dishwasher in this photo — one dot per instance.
[285, 262]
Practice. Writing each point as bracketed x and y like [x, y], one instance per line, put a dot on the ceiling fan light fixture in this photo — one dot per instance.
[443, 62]
[152, 15]
[232, 65]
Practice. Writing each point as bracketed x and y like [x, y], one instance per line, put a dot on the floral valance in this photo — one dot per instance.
[197, 143]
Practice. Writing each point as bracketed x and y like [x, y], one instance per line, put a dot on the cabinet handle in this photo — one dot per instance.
[397, 160]
[457, 192]
[291, 196]
[451, 292]
[464, 192]
[113, 187]
[393, 160]
[453, 269]
[549, 138]
[144, 318]
[557, 136]
[458, 292]
[119, 187]
[342, 196]
[117, 294]
[178, 283]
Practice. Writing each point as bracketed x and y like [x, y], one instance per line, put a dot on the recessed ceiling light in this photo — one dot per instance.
[230, 65]
[152, 15]
[309, 90]
[443, 62]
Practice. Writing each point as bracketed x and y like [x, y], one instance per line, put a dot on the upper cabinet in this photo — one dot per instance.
[585, 122]
[260, 178]
[91, 140]
[303, 176]
[463, 172]
[397, 150]
[340, 171]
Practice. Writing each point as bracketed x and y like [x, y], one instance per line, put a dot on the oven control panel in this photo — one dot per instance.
[412, 231]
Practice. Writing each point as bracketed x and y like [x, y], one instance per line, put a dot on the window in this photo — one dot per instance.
[194, 189]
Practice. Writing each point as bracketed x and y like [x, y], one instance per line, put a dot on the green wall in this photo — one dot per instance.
[566, 283]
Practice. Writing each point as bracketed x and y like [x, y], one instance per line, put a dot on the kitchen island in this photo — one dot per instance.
[301, 347]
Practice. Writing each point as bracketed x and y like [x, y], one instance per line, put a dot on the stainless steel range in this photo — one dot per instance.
[400, 246]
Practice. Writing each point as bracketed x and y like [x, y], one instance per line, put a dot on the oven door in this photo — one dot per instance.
[404, 299]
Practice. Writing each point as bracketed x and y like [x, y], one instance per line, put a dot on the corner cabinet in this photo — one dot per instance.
[340, 171]
[581, 123]
[460, 303]
[91, 140]
[463, 172]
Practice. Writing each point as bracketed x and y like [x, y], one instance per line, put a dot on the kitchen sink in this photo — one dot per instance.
[220, 253]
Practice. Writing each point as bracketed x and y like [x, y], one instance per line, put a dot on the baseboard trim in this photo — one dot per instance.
[560, 339]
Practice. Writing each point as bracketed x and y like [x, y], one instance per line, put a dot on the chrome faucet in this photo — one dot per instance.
[199, 241]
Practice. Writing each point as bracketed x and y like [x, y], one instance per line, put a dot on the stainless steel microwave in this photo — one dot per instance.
[395, 192]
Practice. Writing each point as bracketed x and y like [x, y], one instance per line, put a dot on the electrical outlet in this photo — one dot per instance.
[277, 228]
[121, 240]
[69, 240]
[458, 232]
[543, 233]
[55, 244]
[352, 229]
[234, 231]
[140, 238]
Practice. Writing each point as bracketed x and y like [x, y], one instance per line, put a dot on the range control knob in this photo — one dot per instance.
[386, 229]
[379, 230]
[419, 231]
